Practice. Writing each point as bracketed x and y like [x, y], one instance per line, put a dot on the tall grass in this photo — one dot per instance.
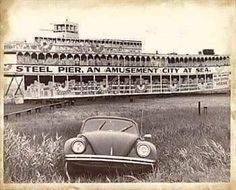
[27, 160]
[191, 148]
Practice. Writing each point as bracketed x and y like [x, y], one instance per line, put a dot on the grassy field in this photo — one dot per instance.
[191, 148]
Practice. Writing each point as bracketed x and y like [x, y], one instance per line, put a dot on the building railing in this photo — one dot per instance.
[73, 88]
[114, 62]
[35, 53]
[20, 46]
[86, 42]
[64, 47]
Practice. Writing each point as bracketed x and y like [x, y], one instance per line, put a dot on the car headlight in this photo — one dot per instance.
[143, 150]
[78, 146]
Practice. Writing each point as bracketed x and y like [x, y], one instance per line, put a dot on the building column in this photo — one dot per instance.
[118, 84]
[93, 59]
[59, 54]
[44, 58]
[105, 60]
[23, 81]
[86, 62]
[81, 84]
[161, 83]
[179, 83]
[37, 57]
[112, 60]
[118, 56]
[53, 81]
[129, 84]
[188, 82]
[151, 82]
[107, 81]
[94, 81]
[38, 79]
[80, 59]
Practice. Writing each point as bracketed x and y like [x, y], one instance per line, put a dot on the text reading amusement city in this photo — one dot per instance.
[121, 70]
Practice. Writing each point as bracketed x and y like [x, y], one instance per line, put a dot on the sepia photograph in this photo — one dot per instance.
[117, 92]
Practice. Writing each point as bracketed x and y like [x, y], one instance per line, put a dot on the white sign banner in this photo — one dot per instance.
[221, 81]
[49, 69]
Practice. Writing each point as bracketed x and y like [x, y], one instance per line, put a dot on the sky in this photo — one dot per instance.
[166, 26]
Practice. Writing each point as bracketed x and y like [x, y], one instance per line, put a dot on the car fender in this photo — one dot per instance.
[68, 149]
[67, 146]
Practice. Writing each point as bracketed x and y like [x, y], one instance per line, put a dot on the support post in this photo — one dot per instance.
[199, 108]
[205, 110]
[8, 88]
[18, 87]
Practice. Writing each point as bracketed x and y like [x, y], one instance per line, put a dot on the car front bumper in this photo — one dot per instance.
[109, 162]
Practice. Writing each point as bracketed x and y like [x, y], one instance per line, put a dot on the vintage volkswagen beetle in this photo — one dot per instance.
[108, 143]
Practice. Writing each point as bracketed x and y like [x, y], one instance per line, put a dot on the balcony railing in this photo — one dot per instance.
[115, 62]
[69, 48]
[73, 89]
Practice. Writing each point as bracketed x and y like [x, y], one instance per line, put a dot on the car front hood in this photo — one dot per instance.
[110, 142]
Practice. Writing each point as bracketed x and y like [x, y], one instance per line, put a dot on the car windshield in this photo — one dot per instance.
[110, 124]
